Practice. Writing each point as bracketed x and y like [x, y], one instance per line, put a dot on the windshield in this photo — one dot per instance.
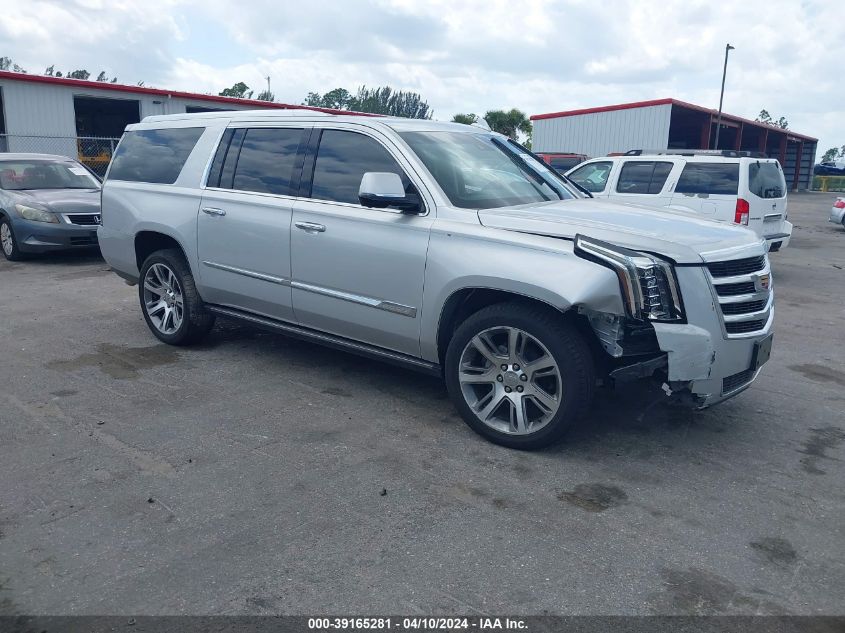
[42, 174]
[480, 171]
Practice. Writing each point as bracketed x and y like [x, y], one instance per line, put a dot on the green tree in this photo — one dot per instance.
[381, 100]
[384, 100]
[466, 119]
[833, 153]
[78, 74]
[765, 117]
[509, 123]
[240, 91]
[6, 63]
[338, 99]
[50, 71]
[266, 95]
[102, 76]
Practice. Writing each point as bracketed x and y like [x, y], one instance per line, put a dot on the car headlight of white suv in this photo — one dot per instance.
[648, 283]
[36, 215]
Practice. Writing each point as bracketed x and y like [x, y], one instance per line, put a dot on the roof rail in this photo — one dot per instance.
[726, 153]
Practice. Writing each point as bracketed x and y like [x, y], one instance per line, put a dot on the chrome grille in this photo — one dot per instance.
[84, 219]
[743, 290]
[737, 266]
[743, 307]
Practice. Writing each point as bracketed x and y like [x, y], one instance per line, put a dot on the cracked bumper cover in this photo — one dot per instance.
[699, 354]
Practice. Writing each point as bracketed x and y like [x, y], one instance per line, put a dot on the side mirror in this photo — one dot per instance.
[380, 190]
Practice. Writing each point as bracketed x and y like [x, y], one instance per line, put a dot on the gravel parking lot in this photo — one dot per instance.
[260, 474]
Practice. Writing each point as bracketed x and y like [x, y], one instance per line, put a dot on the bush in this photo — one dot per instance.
[834, 183]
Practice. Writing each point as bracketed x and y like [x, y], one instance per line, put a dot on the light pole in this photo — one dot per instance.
[728, 48]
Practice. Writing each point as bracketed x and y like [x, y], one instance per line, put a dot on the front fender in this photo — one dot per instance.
[537, 267]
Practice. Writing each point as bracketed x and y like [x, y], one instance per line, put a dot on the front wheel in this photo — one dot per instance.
[8, 241]
[519, 374]
[170, 302]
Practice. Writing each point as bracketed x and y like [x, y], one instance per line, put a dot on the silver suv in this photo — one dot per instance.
[438, 246]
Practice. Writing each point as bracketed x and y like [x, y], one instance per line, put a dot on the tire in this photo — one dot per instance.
[542, 339]
[170, 303]
[8, 241]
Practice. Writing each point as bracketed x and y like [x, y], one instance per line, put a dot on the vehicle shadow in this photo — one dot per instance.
[60, 258]
[632, 413]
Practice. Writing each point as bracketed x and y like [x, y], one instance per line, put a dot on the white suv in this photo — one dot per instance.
[736, 189]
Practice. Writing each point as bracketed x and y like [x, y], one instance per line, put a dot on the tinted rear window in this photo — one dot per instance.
[266, 161]
[155, 156]
[643, 177]
[709, 178]
[765, 180]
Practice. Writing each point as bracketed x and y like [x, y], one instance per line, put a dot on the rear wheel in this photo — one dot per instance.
[519, 375]
[8, 242]
[169, 299]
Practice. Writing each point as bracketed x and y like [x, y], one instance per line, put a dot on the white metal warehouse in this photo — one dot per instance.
[671, 124]
[84, 119]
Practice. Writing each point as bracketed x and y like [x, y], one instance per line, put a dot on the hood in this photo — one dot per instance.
[682, 237]
[61, 200]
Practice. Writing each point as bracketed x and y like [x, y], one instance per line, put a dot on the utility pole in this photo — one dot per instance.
[268, 84]
[728, 48]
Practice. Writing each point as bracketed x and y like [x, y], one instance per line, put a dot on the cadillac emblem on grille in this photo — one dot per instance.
[762, 282]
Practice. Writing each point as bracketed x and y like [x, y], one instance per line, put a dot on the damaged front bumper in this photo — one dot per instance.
[703, 361]
[697, 362]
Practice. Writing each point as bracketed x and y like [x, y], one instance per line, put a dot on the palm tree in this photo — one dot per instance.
[508, 123]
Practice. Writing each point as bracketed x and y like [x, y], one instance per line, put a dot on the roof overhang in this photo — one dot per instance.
[727, 119]
[168, 94]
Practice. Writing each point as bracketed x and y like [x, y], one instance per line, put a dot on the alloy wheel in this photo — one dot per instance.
[6, 239]
[510, 380]
[163, 298]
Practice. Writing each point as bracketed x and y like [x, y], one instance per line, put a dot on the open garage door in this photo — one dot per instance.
[98, 122]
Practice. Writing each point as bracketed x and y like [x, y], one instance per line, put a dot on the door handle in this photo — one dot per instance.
[310, 227]
[213, 211]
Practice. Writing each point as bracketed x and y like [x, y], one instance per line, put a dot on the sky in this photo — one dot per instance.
[460, 55]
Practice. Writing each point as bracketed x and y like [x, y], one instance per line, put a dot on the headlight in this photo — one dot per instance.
[648, 283]
[36, 215]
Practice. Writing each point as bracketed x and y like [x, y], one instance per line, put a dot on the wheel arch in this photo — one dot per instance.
[147, 242]
[464, 302]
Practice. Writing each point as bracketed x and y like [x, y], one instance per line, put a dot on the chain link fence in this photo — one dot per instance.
[94, 152]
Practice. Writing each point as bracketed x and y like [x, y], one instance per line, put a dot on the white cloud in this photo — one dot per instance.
[469, 56]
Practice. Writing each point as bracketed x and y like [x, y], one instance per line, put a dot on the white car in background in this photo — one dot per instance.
[723, 187]
[837, 212]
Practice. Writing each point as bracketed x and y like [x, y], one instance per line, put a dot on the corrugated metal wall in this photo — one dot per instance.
[808, 157]
[597, 133]
[40, 109]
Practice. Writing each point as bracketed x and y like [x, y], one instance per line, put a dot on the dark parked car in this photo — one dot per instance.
[831, 168]
[47, 203]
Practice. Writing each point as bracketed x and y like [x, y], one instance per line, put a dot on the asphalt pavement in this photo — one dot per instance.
[259, 474]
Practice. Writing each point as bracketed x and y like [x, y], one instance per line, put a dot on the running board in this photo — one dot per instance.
[329, 340]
